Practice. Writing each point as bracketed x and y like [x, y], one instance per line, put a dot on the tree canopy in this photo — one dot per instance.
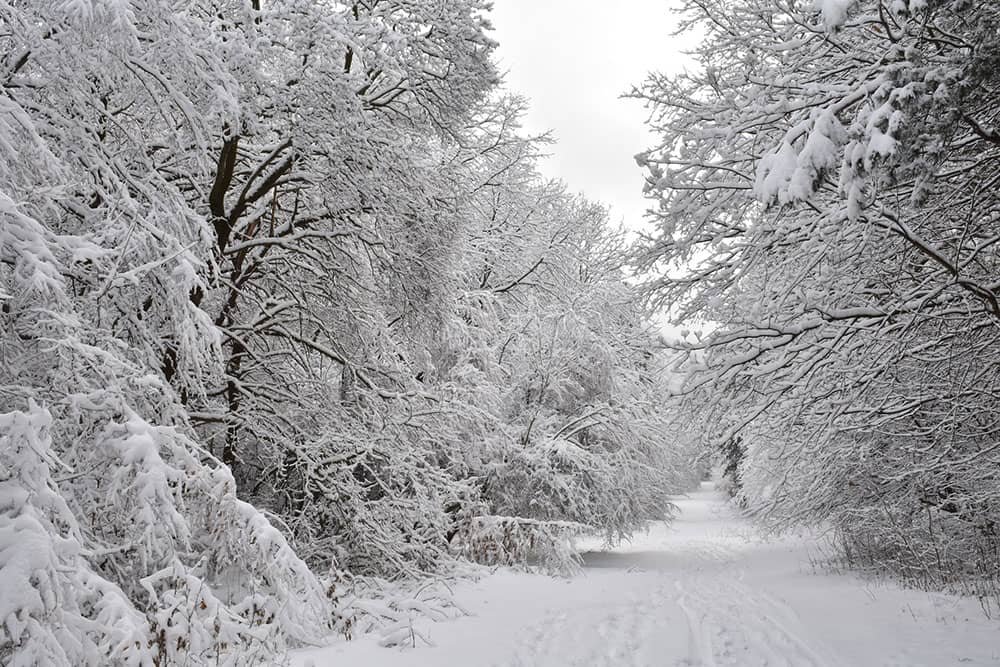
[284, 301]
[827, 210]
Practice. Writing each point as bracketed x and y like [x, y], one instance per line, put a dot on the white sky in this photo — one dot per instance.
[573, 59]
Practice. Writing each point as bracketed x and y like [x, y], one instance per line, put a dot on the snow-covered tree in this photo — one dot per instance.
[826, 209]
[554, 353]
[124, 541]
[280, 292]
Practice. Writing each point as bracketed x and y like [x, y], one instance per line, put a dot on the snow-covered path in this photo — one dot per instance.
[701, 592]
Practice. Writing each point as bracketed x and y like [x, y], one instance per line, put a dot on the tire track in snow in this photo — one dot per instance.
[728, 623]
[732, 624]
[599, 636]
[700, 649]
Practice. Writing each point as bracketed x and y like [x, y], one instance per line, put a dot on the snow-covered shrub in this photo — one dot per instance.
[595, 480]
[369, 497]
[396, 611]
[156, 561]
[54, 608]
[508, 540]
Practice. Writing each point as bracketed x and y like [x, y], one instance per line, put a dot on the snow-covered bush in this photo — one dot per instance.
[369, 498]
[157, 562]
[509, 540]
[397, 611]
[54, 608]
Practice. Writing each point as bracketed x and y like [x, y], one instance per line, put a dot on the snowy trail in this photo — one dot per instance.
[702, 592]
[702, 589]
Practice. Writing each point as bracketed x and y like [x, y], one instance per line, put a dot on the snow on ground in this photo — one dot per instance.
[701, 592]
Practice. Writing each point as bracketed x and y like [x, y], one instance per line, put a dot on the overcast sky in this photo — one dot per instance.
[573, 59]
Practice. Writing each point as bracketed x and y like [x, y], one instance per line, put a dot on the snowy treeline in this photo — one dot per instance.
[828, 201]
[283, 297]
